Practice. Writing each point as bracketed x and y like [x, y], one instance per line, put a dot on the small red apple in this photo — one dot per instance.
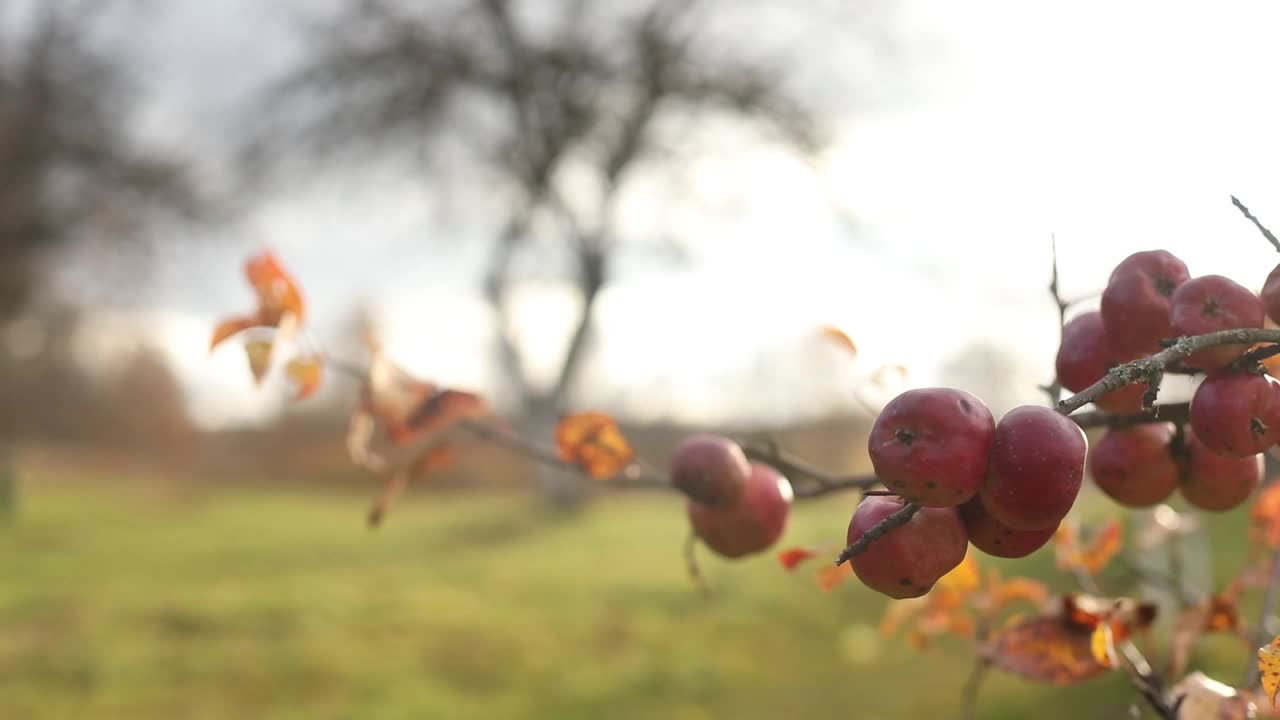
[930, 445]
[991, 537]
[1037, 465]
[1134, 466]
[751, 525]
[1209, 304]
[1236, 413]
[710, 469]
[1086, 354]
[1216, 482]
[1270, 295]
[908, 560]
[1135, 303]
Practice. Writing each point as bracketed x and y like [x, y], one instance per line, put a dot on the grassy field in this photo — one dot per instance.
[245, 604]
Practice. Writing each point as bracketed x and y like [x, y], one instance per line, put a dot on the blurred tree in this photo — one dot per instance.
[70, 169]
[565, 101]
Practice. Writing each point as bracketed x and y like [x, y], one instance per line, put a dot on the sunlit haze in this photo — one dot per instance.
[1114, 127]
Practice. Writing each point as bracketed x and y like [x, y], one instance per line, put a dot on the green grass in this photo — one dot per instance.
[244, 604]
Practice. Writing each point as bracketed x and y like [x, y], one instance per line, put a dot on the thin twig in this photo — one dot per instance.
[691, 562]
[880, 529]
[807, 481]
[1256, 222]
[1168, 412]
[1054, 389]
[1143, 369]
[969, 698]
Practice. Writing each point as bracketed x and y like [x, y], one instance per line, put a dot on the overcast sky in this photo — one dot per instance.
[1116, 126]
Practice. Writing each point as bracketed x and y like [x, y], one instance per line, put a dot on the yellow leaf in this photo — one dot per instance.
[1103, 645]
[840, 338]
[593, 442]
[1269, 668]
[259, 353]
[305, 373]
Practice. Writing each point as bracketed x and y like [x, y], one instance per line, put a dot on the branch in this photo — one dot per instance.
[816, 482]
[1142, 370]
[882, 528]
[1169, 412]
[1256, 222]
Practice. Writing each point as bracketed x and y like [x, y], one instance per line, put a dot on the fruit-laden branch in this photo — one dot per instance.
[815, 483]
[1143, 369]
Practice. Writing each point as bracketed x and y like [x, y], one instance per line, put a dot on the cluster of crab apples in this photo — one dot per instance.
[1004, 487]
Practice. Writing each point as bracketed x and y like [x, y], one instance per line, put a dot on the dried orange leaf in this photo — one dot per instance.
[259, 354]
[1018, 589]
[1045, 649]
[1217, 614]
[1265, 515]
[887, 374]
[1071, 554]
[305, 373]
[436, 457]
[231, 327]
[444, 408]
[395, 484]
[840, 338]
[831, 575]
[1269, 668]
[593, 442]
[898, 612]
[791, 557]
[278, 293]
[962, 579]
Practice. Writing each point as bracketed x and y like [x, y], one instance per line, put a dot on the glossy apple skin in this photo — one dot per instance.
[1217, 482]
[1270, 295]
[1209, 304]
[1134, 466]
[991, 537]
[906, 562]
[1135, 303]
[931, 445]
[1236, 413]
[751, 525]
[1085, 355]
[710, 469]
[1037, 465]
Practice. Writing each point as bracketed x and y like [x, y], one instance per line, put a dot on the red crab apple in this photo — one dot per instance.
[752, 524]
[1135, 303]
[1211, 303]
[991, 537]
[1236, 413]
[908, 560]
[1270, 295]
[1037, 465]
[930, 445]
[710, 469]
[1086, 354]
[1134, 466]
[1217, 482]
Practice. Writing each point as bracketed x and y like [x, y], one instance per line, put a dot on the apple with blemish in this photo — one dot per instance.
[1211, 303]
[710, 469]
[1270, 295]
[1236, 412]
[752, 524]
[1084, 357]
[1135, 466]
[994, 538]
[1037, 465]
[1136, 301]
[930, 445]
[906, 561]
